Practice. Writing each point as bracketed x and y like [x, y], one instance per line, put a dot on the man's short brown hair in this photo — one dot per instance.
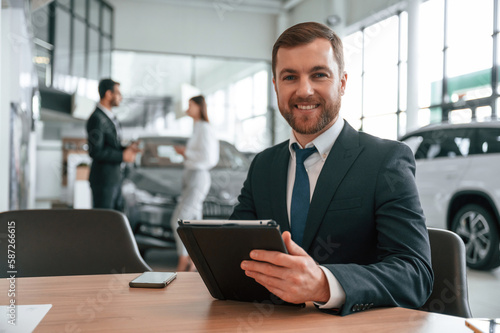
[305, 33]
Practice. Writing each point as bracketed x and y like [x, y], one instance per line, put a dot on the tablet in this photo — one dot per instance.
[217, 249]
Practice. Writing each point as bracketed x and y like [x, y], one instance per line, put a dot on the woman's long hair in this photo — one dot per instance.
[200, 100]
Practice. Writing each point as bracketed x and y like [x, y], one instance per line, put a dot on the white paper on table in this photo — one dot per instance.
[27, 317]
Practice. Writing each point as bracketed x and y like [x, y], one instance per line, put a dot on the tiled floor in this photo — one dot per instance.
[484, 293]
[484, 287]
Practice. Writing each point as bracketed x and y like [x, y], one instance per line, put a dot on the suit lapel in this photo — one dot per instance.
[110, 125]
[278, 181]
[343, 154]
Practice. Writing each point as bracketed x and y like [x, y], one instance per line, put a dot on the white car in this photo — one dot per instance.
[458, 179]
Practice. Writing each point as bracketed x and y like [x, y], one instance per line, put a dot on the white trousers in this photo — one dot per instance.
[195, 187]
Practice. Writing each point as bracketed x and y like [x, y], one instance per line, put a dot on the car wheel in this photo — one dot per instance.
[479, 231]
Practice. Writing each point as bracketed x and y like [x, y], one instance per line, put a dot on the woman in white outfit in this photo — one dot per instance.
[200, 155]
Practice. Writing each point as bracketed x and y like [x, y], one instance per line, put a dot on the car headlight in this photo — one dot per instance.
[144, 197]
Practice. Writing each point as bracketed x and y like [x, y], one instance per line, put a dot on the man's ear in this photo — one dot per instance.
[274, 84]
[343, 83]
[108, 95]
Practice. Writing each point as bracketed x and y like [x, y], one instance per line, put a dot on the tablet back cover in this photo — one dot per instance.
[217, 252]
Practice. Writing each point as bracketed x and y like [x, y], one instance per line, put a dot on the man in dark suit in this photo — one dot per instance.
[352, 221]
[105, 149]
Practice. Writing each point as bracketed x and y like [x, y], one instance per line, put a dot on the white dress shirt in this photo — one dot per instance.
[202, 149]
[314, 165]
[113, 118]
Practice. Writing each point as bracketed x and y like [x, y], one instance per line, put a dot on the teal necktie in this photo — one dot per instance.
[300, 195]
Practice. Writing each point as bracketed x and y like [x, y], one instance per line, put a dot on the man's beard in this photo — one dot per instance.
[299, 122]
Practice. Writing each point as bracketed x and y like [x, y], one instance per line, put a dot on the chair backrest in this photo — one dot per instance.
[68, 242]
[450, 293]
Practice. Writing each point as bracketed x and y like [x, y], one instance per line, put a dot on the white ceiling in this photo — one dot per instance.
[259, 6]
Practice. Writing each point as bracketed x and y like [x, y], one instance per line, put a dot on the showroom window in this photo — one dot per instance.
[458, 61]
[458, 66]
[73, 41]
[376, 56]
[156, 89]
[240, 112]
[248, 101]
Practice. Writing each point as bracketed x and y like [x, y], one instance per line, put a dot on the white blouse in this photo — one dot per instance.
[202, 149]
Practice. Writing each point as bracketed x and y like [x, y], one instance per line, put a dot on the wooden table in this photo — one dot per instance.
[100, 303]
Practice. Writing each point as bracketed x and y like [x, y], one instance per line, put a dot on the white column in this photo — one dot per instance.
[412, 106]
[4, 111]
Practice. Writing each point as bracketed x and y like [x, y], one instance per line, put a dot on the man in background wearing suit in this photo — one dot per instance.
[105, 149]
[346, 201]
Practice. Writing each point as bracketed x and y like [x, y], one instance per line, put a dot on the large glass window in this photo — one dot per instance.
[470, 49]
[457, 55]
[376, 65]
[248, 101]
[62, 49]
[236, 92]
[94, 9]
[93, 55]
[431, 33]
[73, 45]
[456, 63]
[79, 52]
[80, 8]
[106, 57]
[107, 15]
[380, 91]
[470, 25]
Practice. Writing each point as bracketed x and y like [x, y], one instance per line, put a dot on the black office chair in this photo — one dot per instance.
[68, 242]
[449, 295]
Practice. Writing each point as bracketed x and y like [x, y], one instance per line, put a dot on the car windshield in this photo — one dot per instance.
[159, 154]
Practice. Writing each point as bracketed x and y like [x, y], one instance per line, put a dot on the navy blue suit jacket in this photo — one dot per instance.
[365, 222]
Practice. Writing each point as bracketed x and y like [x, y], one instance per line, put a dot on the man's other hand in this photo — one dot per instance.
[181, 150]
[129, 154]
[135, 147]
[294, 277]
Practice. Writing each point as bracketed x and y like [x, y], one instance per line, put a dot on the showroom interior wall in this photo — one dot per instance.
[4, 127]
[168, 28]
[18, 85]
[362, 11]
[226, 31]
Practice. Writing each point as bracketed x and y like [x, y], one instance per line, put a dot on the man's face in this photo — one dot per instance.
[308, 86]
[116, 96]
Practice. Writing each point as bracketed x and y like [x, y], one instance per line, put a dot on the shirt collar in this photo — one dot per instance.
[324, 142]
[106, 111]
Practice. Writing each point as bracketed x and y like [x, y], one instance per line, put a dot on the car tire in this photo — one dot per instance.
[479, 230]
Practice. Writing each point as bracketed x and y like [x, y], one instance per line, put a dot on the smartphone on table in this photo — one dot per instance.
[153, 280]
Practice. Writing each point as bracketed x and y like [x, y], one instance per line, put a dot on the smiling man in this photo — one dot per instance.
[346, 201]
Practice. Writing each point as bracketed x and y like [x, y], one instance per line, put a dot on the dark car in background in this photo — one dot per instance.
[153, 185]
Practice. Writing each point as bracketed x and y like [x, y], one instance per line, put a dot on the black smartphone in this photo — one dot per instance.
[153, 280]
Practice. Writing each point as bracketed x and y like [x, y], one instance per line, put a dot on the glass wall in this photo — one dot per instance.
[458, 67]
[375, 99]
[457, 61]
[73, 44]
[236, 92]
[247, 100]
